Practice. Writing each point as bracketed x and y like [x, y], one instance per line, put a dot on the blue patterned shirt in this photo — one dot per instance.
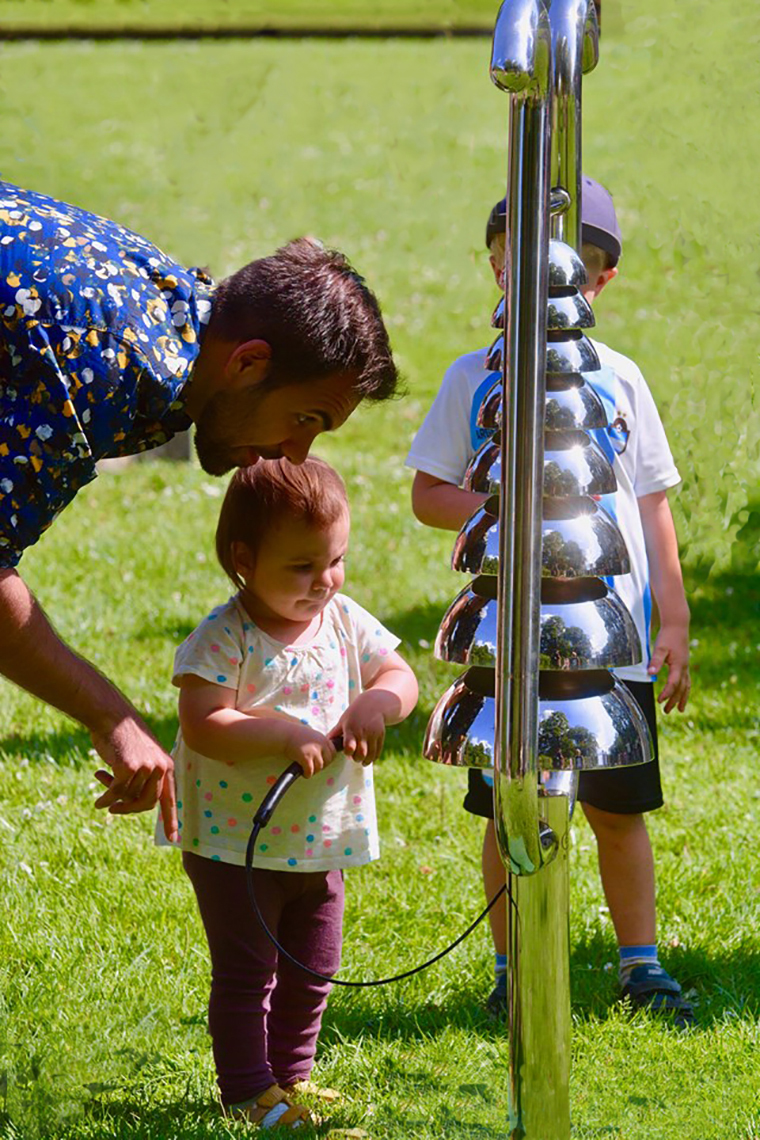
[99, 331]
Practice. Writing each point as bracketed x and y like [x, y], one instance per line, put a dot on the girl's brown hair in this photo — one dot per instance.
[270, 491]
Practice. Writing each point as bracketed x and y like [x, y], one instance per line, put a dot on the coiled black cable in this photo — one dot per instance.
[261, 819]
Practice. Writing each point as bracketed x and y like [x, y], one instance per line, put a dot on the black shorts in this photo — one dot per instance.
[625, 791]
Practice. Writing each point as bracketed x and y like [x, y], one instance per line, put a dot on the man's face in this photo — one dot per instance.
[237, 428]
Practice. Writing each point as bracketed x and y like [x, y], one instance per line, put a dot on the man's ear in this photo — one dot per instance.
[248, 363]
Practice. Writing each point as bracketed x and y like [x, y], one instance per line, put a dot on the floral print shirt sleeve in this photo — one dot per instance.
[99, 331]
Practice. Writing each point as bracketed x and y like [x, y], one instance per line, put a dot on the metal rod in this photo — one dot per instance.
[521, 64]
[538, 993]
[575, 50]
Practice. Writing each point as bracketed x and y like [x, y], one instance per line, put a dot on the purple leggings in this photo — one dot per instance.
[265, 1014]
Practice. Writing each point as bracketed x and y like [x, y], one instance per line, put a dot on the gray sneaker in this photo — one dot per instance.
[496, 1003]
[652, 988]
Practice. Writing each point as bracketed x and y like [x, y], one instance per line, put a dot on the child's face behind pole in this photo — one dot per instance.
[296, 572]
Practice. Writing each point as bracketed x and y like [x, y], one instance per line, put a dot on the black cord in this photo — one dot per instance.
[260, 820]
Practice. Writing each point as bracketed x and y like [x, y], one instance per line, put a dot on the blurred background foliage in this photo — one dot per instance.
[239, 13]
[395, 151]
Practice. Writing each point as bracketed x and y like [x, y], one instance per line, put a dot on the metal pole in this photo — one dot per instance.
[538, 992]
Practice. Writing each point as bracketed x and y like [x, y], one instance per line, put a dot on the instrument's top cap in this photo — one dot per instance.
[599, 224]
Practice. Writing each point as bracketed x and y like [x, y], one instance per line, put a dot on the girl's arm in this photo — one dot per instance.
[389, 698]
[213, 726]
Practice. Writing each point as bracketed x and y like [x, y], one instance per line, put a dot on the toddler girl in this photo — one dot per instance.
[271, 677]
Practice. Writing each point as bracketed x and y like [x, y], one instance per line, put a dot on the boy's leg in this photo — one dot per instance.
[626, 865]
[494, 877]
[243, 963]
[311, 929]
[615, 802]
[479, 801]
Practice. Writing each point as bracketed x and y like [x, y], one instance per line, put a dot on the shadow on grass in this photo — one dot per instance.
[199, 1120]
[721, 986]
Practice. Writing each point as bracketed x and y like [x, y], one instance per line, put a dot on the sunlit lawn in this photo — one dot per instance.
[394, 152]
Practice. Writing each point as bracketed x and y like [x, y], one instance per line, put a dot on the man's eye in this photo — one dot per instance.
[301, 418]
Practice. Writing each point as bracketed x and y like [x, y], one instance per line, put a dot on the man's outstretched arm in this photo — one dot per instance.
[33, 656]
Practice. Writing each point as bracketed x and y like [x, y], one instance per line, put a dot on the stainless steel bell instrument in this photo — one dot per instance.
[537, 628]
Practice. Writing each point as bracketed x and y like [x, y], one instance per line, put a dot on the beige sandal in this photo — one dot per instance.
[308, 1088]
[272, 1109]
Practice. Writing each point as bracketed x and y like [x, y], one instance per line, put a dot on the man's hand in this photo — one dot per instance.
[34, 657]
[672, 649]
[143, 774]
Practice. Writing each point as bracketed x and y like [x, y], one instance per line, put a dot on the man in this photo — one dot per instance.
[108, 348]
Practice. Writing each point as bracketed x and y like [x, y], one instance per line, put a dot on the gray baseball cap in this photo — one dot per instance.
[599, 224]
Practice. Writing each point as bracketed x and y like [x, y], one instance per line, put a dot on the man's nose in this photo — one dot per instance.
[296, 450]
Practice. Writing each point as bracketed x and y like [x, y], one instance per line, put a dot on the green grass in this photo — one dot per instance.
[394, 152]
[84, 15]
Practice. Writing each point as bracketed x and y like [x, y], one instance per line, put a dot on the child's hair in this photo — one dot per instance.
[596, 259]
[269, 491]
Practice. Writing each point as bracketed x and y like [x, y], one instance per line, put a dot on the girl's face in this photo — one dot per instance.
[297, 570]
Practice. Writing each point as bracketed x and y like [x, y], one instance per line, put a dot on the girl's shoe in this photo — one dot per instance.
[308, 1088]
[272, 1109]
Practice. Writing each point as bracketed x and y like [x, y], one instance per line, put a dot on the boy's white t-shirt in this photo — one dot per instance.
[323, 823]
[635, 442]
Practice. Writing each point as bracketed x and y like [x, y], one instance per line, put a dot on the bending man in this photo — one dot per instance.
[108, 348]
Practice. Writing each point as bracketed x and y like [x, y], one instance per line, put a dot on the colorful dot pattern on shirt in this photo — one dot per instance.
[328, 821]
[98, 332]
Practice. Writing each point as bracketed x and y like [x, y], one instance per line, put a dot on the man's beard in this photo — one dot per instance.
[219, 420]
[215, 458]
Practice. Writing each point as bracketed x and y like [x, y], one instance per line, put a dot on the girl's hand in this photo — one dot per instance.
[309, 748]
[362, 725]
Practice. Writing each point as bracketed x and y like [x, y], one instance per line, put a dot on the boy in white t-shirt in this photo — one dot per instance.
[614, 801]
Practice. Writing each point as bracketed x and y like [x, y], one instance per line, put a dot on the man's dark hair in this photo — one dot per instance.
[317, 314]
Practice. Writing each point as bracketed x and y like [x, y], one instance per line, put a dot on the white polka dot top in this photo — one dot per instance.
[324, 823]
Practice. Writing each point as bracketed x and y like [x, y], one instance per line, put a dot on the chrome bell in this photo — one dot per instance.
[592, 630]
[603, 729]
[574, 354]
[461, 730]
[483, 472]
[574, 464]
[489, 412]
[574, 406]
[574, 409]
[566, 269]
[495, 355]
[570, 312]
[579, 540]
